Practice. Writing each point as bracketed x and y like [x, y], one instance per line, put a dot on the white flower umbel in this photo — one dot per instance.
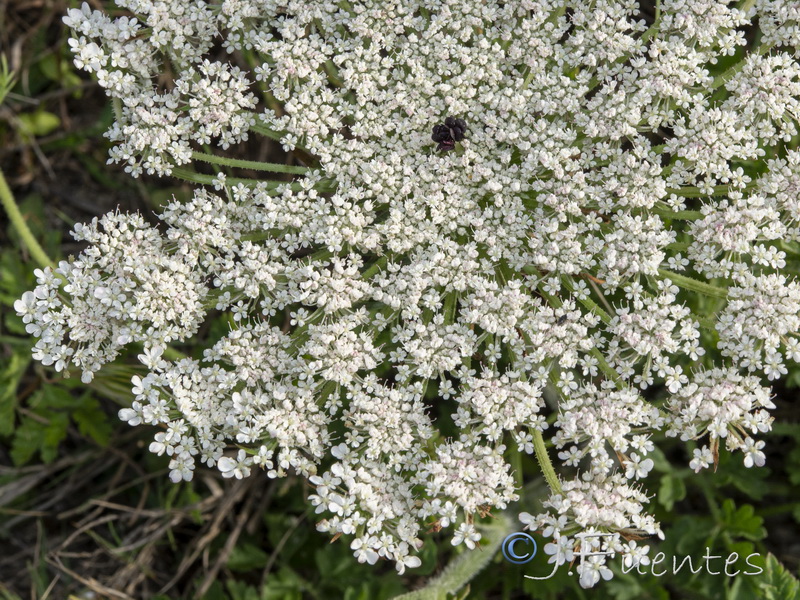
[725, 405]
[399, 309]
[591, 515]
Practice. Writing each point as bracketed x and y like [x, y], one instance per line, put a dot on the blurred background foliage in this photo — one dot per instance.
[86, 511]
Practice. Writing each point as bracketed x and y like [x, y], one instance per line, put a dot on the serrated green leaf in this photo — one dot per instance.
[776, 583]
[27, 441]
[56, 397]
[54, 432]
[42, 433]
[743, 522]
[91, 420]
[733, 472]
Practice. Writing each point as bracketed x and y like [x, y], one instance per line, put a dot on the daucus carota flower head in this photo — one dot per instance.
[398, 311]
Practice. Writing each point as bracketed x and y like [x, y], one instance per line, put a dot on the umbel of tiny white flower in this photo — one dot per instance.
[398, 310]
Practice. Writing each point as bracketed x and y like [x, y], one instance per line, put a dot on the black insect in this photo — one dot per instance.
[448, 134]
[561, 320]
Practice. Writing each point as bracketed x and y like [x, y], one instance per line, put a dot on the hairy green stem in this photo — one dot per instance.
[678, 246]
[193, 177]
[186, 174]
[692, 191]
[694, 285]
[545, 464]
[248, 164]
[679, 215]
[18, 221]
[267, 132]
[464, 567]
[729, 74]
[589, 303]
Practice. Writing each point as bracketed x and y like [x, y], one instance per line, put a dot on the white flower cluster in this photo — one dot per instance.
[126, 287]
[154, 128]
[724, 240]
[398, 311]
[761, 317]
[724, 404]
[583, 515]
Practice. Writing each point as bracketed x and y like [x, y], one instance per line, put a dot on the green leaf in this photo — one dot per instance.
[628, 588]
[776, 583]
[43, 431]
[55, 397]
[672, 490]
[239, 590]
[38, 123]
[9, 381]
[743, 522]
[429, 555]
[27, 440]
[246, 557]
[689, 534]
[54, 432]
[92, 421]
[54, 69]
[283, 585]
[360, 593]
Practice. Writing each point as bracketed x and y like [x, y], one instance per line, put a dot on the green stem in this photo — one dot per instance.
[589, 303]
[694, 285]
[610, 372]
[778, 509]
[449, 308]
[713, 506]
[248, 164]
[271, 133]
[692, 191]
[375, 268]
[116, 105]
[466, 565]
[678, 246]
[188, 175]
[544, 463]
[516, 465]
[680, 215]
[333, 74]
[171, 353]
[726, 76]
[606, 368]
[16, 218]
[656, 24]
[267, 132]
